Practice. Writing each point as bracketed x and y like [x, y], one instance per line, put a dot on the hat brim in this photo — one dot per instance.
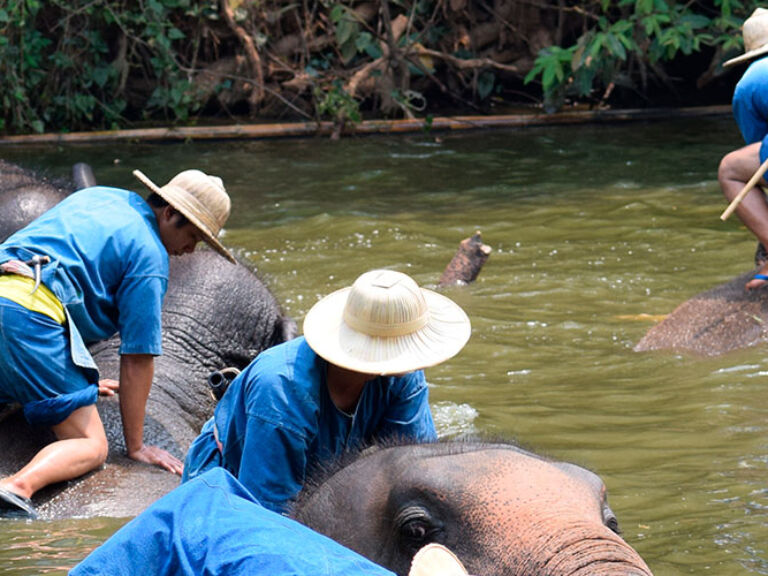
[746, 56]
[209, 238]
[444, 335]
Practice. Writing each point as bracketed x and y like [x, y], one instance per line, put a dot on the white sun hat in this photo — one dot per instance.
[755, 33]
[201, 198]
[436, 560]
[385, 324]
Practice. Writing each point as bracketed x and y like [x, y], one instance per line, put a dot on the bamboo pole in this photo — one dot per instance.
[744, 191]
[309, 129]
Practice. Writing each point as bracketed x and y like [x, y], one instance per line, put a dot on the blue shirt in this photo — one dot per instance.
[108, 268]
[213, 526]
[750, 105]
[277, 419]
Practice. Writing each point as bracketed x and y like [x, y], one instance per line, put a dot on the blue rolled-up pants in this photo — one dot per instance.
[36, 367]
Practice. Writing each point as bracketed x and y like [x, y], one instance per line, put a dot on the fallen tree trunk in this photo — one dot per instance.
[294, 129]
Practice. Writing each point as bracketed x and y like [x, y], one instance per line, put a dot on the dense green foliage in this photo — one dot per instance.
[65, 64]
[625, 42]
[103, 64]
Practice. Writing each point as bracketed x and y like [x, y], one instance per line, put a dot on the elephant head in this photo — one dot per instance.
[502, 510]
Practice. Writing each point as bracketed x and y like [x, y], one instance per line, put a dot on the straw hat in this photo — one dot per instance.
[385, 324]
[199, 197]
[755, 32]
[436, 560]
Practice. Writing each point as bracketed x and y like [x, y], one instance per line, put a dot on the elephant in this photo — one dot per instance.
[215, 315]
[713, 322]
[25, 195]
[501, 509]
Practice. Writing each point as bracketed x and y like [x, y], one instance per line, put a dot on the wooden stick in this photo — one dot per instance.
[744, 191]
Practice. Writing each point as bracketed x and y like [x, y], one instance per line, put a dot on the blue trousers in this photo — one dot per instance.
[36, 367]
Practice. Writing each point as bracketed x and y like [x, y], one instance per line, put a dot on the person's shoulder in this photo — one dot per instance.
[288, 354]
[407, 384]
[106, 194]
[756, 75]
[415, 378]
[287, 369]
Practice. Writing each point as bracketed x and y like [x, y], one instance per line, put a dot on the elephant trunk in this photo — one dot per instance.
[585, 553]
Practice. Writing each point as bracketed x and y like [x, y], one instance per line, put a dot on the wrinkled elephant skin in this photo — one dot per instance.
[714, 322]
[502, 510]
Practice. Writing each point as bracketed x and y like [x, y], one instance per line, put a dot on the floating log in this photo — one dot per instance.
[466, 263]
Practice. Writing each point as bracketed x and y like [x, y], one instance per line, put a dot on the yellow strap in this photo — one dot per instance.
[17, 288]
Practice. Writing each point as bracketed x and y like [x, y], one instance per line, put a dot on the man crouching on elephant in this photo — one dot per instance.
[354, 377]
[94, 265]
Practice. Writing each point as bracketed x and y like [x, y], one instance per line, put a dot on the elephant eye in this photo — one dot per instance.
[414, 530]
[416, 527]
[609, 519]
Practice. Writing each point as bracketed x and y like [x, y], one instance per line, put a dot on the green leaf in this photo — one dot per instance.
[346, 30]
[363, 41]
[485, 83]
[337, 13]
[616, 48]
[176, 34]
[348, 51]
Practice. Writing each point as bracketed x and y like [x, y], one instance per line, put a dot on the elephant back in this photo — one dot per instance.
[24, 196]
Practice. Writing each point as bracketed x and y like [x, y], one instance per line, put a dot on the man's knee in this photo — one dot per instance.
[727, 170]
[100, 451]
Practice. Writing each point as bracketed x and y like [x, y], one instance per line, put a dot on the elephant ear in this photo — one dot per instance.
[436, 560]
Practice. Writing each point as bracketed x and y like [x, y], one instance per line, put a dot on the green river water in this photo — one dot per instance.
[594, 230]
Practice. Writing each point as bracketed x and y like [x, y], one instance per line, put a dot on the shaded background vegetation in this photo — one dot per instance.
[96, 64]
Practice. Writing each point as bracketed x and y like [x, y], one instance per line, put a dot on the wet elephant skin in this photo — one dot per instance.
[25, 195]
[502, 510]
[713, 322]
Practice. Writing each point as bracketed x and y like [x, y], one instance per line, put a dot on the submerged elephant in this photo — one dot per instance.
[215, 315]
[502, 510]
[714, 322]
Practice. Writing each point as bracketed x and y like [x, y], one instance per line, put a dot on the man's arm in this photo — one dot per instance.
[136, 372]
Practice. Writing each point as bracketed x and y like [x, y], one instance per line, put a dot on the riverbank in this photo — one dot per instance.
[367, 127]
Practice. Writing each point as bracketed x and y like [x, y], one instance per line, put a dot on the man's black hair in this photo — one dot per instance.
[157, 201]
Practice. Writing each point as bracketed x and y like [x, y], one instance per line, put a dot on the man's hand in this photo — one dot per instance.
[108, 387]
[158, 457]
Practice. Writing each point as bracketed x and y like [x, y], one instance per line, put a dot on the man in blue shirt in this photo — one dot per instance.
[101, 267]
[750, 108]
[355, 377]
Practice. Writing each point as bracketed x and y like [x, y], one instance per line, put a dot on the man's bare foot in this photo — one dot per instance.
[758, 280]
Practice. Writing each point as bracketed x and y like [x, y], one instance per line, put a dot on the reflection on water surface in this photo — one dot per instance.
[596, 231]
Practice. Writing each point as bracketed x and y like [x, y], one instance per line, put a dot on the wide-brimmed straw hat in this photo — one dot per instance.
[201, 198]
[385, 324]
[436, 560]
[755, 33]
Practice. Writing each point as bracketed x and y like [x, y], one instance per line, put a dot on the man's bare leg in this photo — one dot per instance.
[80, 448]
[736, 169]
